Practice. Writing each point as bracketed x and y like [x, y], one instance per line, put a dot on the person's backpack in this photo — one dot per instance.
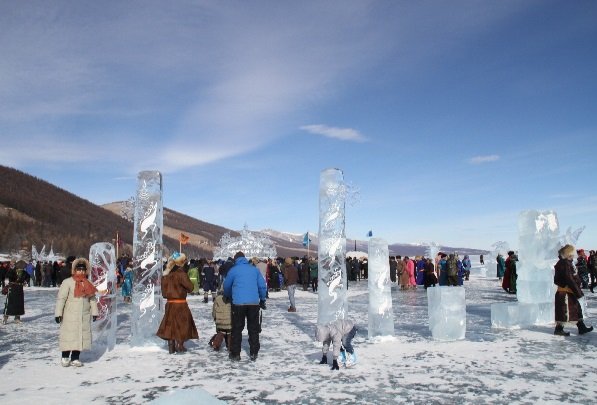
[452, 267]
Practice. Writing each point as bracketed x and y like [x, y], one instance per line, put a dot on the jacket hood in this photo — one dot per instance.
[77, 261]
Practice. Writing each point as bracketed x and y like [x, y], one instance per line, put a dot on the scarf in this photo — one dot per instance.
[83, 287]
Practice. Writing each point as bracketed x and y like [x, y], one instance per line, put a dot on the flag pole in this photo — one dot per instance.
[117, 243]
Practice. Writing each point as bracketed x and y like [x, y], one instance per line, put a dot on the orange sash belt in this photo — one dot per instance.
[177, 301]
[565, 289]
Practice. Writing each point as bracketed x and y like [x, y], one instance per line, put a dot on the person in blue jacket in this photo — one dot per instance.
[245, 287]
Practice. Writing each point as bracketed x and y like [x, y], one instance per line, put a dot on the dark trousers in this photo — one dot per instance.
[347, 340]
[251, 314]
[74, 355]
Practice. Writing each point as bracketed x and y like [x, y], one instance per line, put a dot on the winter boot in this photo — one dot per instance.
[205, 299]
[324, 359]
[171, 348]
[5, 320]
[582, 328]
[560, 331]
[335, 365]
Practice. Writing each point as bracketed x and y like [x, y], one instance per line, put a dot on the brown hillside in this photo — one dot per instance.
[35, 212]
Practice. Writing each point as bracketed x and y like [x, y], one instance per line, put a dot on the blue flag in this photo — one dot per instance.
[306, 239]
[370, 234]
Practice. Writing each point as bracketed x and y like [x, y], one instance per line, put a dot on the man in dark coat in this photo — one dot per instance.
[567, 307]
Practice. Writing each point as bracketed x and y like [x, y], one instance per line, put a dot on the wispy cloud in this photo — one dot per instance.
[477, 160]
[343, 134]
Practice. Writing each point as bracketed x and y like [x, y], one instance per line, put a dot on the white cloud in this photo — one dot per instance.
[477, 160]
[343, 134]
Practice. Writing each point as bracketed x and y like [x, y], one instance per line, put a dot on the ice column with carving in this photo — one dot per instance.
[381, 315]
[331, 290]
[147, 308]
[102, 257]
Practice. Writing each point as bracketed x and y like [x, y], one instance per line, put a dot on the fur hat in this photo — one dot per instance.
[288, 260]
[80, 263]
[177, 259]
[566, 252]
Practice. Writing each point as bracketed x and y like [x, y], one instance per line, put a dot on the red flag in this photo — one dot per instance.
[184, 239]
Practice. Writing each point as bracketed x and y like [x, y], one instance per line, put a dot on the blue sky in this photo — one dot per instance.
[449, 117]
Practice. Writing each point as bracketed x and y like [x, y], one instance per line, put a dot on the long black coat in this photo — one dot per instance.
[15, 299]
[567, 307]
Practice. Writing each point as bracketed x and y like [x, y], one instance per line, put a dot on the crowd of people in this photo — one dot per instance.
[239, 288]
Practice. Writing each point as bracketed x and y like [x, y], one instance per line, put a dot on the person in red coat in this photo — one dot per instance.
[567, 306]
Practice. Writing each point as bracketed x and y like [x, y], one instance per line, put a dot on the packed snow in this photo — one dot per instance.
[509, 366]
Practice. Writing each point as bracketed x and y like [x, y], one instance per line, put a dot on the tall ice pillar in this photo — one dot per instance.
[381, 316]
[331, 290]
[102, 257]
[147, 308]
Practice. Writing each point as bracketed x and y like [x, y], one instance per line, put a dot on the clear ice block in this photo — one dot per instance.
[447, 312]
[381, 315]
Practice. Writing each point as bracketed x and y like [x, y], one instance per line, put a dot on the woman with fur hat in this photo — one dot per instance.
[178, 324]
[76, 307]
[567, 307]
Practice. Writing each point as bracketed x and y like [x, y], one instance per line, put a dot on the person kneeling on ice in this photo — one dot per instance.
[340, 333]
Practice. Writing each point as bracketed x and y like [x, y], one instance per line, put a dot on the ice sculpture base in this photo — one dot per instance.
[515, 315]
[447, 312]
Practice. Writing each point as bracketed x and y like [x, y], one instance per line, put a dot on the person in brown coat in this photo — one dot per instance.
[290, 279]
[567, 307]
[177, 324]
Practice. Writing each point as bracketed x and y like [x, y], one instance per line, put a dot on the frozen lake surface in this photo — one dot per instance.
[528, 366]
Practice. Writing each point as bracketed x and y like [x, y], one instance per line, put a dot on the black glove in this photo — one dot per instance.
[94, 318]
[58, 319]
[324, 359]
[262, 304]
[335, 365]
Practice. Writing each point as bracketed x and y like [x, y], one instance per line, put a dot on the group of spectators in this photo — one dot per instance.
[445, 270]
[40, 274]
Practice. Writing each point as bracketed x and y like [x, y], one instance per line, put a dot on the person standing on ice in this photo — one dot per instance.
[340, 333]
[245, 287]
[500, 266]
[510, 276]
[593, 269]
[76, 307]
[567, 307]
[466, 264]
[290, 279]
[177, 325]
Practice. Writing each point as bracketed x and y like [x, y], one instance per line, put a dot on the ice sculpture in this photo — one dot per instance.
[446, 308]
[252, 244]
[331, 290]
[538, 243]
[147, 308]
[102, 257]
[381, 315]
